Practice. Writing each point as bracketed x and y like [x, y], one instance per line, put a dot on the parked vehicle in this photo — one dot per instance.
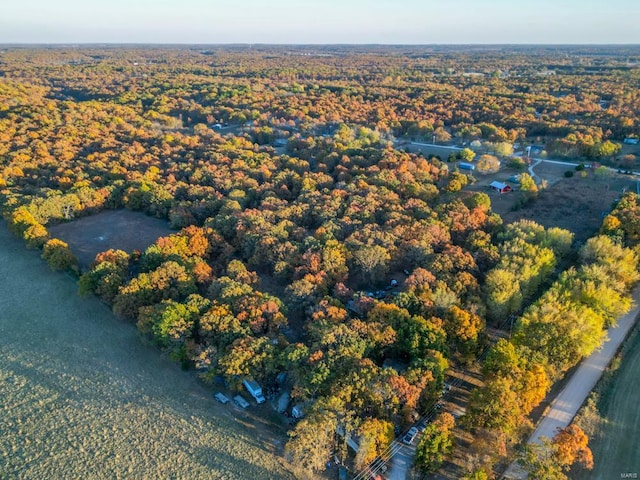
[466, 166]
[283, 402]
[254, 389]
[410, 436]
[297, 411]
[221, 397]
[240, 401]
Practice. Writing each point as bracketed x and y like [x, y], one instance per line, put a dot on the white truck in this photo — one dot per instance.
[254, 389]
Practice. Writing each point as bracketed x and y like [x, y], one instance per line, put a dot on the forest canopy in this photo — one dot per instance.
[305, 242]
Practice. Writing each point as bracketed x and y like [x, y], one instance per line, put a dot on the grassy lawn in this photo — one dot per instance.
[81, 397]
[616, 449]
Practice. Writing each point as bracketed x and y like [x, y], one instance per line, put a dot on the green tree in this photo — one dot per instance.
[621, 263]
[375, 437]
[502, 290]
[312, 441]
[107, 274]
[479, 199]
[539, 461]
[527, 184]
[467, 155]
[503, 149]
[171, 324]
[560, 330]
[549, 459]
[169, 281]
[372, 262]
[496, 406]
[436, 443]
[59, 256]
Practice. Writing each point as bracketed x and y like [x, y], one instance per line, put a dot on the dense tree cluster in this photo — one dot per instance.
[551, 459]
[567, 323]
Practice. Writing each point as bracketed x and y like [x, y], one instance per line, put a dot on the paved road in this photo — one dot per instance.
[446, 147]
[402, 462]
[570, 399]
[537, 161]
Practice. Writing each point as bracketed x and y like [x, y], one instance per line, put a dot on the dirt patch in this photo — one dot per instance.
[576, 204]
[121, 229]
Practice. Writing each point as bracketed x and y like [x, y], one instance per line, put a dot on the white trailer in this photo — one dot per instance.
[254, 389]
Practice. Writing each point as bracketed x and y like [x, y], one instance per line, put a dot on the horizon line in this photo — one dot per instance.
[289, 44]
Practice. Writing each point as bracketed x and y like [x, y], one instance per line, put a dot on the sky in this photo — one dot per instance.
[321, 21]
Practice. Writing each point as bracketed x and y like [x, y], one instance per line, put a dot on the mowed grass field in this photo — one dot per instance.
[82, 397]
[616, 450]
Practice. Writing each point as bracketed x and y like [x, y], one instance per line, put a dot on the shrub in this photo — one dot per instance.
[59, 257]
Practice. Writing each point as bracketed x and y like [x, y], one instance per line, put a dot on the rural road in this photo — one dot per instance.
[402, 462]
[446, 147]
[565, 406]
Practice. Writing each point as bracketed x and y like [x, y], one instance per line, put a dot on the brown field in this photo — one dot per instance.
[121, 229]
[82, 397]
[577, 204]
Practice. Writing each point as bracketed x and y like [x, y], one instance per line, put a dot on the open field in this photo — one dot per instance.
[121, 229]
[615, 449]
[81, 397]
[577, 204]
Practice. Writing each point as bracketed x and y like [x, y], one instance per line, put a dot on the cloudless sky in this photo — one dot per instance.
[320, 21]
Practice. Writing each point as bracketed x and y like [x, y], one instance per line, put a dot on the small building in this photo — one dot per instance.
[534, 150]
[631, 141]
[500, 187]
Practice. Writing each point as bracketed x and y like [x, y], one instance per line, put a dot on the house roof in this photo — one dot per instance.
[498, 185]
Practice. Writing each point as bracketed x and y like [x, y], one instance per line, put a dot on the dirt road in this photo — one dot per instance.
[570, 399]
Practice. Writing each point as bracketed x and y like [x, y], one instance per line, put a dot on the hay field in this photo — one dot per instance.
[81, 397]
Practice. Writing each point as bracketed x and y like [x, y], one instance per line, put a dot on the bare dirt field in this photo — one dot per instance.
[121, 229]
[82, 397]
